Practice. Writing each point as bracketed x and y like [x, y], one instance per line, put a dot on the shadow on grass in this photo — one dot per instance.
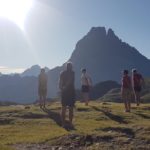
[113, 117]
[127, 131]
[146, 108]
[4, 121]
[57, 118]
[142, 115]
[10, 112]
[82, 109]
[31, 115]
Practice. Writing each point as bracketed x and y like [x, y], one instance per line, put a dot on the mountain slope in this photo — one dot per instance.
[114, 95]
[33, 71]
[18, 89]
[100, 51]
[104, 55]
[102, 88]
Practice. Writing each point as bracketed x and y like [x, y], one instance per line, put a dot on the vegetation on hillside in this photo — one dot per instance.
[114, 95]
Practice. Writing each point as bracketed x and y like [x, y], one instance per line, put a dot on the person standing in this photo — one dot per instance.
[126, 89]
[42, 88]
[66, 85]
[86, 84]
[137, 83]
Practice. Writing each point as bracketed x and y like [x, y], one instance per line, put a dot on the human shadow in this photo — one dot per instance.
[110, 115]
[129, 132]
[142, 115]
[57, 118]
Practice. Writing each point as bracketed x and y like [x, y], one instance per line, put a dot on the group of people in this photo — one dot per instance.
[131, 86]
[67, 88]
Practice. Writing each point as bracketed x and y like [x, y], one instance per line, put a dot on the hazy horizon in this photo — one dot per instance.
[47, 31]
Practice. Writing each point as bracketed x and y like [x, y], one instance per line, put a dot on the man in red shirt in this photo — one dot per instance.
[126, 90]
[137, 82]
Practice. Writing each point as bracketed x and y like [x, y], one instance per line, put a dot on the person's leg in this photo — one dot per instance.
[45, 96]
[63, 115]
[137, 98]
[124, 97]
[129, 100]
[126, 105]
[70, 114]
[44, 101]
[40, 101]
[129, 105]
[82, 99]
[86, 98]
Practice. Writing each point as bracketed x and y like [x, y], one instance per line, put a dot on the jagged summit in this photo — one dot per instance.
[101, 32]
[111, 35]
[105, 55]
[97, 37]
[97, 31]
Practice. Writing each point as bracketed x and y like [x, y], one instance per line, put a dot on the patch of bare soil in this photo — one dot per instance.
[89, 142]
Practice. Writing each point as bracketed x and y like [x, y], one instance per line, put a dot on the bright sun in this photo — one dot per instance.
[15, 10]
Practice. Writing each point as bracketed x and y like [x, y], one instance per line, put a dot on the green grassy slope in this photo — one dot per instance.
[97, 126]
[114, 95]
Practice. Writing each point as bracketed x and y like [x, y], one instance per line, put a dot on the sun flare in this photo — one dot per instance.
[15, 10]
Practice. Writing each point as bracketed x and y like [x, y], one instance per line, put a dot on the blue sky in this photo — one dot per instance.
[53, 27]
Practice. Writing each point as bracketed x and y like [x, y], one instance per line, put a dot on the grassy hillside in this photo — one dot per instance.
[97, 126]
[114, 95]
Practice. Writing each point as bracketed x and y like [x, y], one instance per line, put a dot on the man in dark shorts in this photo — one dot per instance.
[86, 84]
[42, 88]
[137, 82]
[66, 85]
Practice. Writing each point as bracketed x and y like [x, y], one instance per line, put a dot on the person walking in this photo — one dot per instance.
[42, 88]
[137, 83]
[86, 84]
[126, 89]
[66, 85]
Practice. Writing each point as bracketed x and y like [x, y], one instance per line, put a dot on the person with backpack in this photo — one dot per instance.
[86, 84]
[66, 85]
[137, 83]
[126, 89]
[42, 88]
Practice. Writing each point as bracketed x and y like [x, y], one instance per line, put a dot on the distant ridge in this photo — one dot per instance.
[100, 51]
[33, 71]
